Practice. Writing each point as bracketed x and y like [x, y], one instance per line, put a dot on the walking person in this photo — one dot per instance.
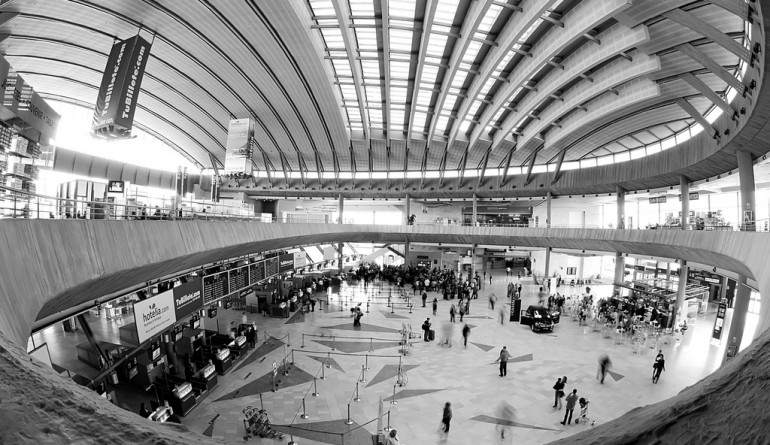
[604, 365]
[657, 359]
[466, 333]
[659, 366]
[490, 278]
[435, 305]
[424, 298]
[571, 400]
[558, 389]
[452, 313]
[503, 359]
[446, 417]
[492, 301]
[462, 311]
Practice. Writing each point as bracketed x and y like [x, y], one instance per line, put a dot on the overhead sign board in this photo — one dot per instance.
[188, 298]
[300, 260]
[116, 186]
[21, 100]
[238, 148]
[285, 263]
[153, 315]
[119, 90]
[658, 200]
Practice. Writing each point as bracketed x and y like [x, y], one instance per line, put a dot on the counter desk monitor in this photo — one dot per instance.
[207, 370]
[154, 351]
[195, 322]
[180, 391]
[240, 341]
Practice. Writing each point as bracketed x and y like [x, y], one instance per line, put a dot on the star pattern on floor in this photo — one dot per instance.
[523, 358]
[388, 372]
[363, 328]
[483, 347]
[330, 431]
[617, 377]
[264, 383]
[329, 361]
[352, 347]
[406, 393]
[298, 317]
[496, 421]
[389, 315]
[262, 350]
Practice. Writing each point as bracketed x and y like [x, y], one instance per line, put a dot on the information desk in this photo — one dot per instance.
[148, 370]
[222, 360]
[180, 397]
[275, 310]
[161, 414]
[128, 334]
[88, 355]
[205, 379]
[191, 341]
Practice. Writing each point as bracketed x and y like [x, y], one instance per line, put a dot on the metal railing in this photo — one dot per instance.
[15, 203]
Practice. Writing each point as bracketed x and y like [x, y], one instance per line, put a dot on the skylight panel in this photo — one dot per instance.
[436, 44]
[397, 94]
[342, 67]
[401, 8]
[472, 51]
[419, 120]
[464, 126]
[445, 11]
[373, 95]
[489, 18]
[371, 69]
[401, 39]
[362, 7]
[322, 7]
[487, 86]
[333, 37]
[399, 69]
[442, 122]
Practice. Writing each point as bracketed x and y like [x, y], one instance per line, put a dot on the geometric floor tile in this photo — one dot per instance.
[298, 317]
[523, 358]
[261, 351]
[615, 375]
[410, 393]
[363, 328]
[352, 347]
[209, 431]
[329, 361]
[390, 315]
[485, 348]
[264, 384]
[388, 372]
[330, 431]
[493, 420]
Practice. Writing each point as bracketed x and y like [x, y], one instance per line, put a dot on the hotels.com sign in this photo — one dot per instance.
[154, 315]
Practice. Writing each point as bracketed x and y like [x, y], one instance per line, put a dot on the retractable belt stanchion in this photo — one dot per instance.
[315, 385]
[394, 401]
[349, 421]
[304, 411]
[356, 398]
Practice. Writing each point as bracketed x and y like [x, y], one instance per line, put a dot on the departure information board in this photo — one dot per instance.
[271, 266]
[215, 287]
[257, 272]
[238, 278]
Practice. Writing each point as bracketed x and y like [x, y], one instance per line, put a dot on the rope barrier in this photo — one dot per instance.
[350, 338]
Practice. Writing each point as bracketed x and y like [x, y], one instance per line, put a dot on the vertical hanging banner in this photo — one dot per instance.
[238, 154]
[118, 93]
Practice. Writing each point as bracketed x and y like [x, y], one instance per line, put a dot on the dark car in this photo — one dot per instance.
[540, 318]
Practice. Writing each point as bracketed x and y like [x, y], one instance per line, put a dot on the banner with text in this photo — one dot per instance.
[20, 99]
[188, 298]
[300, 260]
[119, 90]
[153, 315]
[238, 154]
[285, 263]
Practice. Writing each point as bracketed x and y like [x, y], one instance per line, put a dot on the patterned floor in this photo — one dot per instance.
[330, 358]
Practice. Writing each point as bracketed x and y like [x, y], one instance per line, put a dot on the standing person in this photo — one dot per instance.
[490, 278]
[503, 359]
[466, 333]
[392, 438]
[492, 300]
[426, 329]
[508, 271]
[446, 417]
[571, 400]
[604, 365]
[435, 305]
[452, 313]
[462, 310]
[558, 392]
[424, 298]
[659, 366]
[143, 411]
[502, 313]
[657, 359]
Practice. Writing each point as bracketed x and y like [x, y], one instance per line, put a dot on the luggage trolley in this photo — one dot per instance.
[257, 424]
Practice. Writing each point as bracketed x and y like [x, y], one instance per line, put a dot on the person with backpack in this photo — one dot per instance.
[659, 366]
[558, 392]
[426, 329]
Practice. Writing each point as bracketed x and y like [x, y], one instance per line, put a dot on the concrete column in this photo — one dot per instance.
[406, 253]
[340, 210]
[680, 313]
[633, 273]
[740, 309]
[475, 213]
[684, 190]
[621, 203]
[619, 270]
[408, 209]
[547, 262]
[748, 202]
[581, 263]
[548, 209]
[668, 271]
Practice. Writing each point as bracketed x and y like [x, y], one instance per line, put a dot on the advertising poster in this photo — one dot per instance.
[285, 263]
[121, 83]
[300, 260]
[719, 322]
[21, 100]
[238, 154]
[154, 315]
[188, 298]
[116, 186]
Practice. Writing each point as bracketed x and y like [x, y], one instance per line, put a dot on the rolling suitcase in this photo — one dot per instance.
[431, 335]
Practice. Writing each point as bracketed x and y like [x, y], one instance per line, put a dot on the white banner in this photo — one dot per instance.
[154, 315]
[300, 260]
[238, 154]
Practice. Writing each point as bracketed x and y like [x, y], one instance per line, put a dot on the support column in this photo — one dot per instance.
[668, 271]
[408, 209]
[680, 292]
[340, 211]
[740, 309]
[619, 270]
[548, 209]
[547, 262]
[475, 215]
[684, 190]
[581, 262]
[406, 253]
[748, 214]
[621, 202]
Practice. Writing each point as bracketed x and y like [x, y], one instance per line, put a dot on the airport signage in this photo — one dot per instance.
[238, 146]
[154, 315]
[188, 298]
[285, 263]
[116, 186]
[719, 322]
[658, 200]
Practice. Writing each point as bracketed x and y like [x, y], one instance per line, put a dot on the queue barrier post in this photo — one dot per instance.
[393, 401]
[315, 386]
[387, 428]
[303, 341]
[304, 411]
[363, 374]
[349, 421]
[356, 398]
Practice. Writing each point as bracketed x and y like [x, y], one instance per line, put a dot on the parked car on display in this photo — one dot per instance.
[540, 318]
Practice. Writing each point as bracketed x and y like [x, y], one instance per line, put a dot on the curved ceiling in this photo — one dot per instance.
[398, 86]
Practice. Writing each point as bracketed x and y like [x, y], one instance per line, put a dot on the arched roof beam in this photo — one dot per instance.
[470, 25]
[706, 30]
[705, 90]
[550, 45]
[618, 39]
[382, 7]
[342, 12]
[687, 106]
[508, 40]
[430, 12]
[711, 65]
